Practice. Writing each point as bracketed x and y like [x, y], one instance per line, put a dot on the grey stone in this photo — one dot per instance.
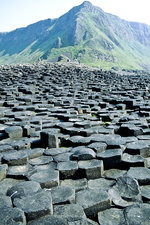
[57, 220]
[63, 195]
[114, 141]
[98, 138]
[130, 139]
[23, 189]
[8, 183]
[93, 200]
[138, 148]
[5, 148]
[147, 162]
[91, 169]
[42, 160]
[67, 169]
[143, 137]
[130, 130]
[114, 173]
[63, 157]
[111, 158]
[49, 220]
[5, 201]
[79, 184]
[36, 205]
[55, 151]
[84, 124]
[78, 141]
[14, 132]
[137, 214]
[90, 222]
[45, 96]
[145, 192]
[141, 174]
[111, 216]
[83, 154]
[127, 187]
[98, 146]
[125, 192]
[46, 178]
[132, 161]
[13, 216]
[64, 125]
[21, 144]
[69, 210]
[50, 138]
[50, 166]
[16, 158]
[27, 131]
[101, 184]
[20, 172]
[73, 131]
[107, 117]
[3, 171]
[34, 153]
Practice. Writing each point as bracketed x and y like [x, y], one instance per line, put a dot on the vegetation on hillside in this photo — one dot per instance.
[85, 34]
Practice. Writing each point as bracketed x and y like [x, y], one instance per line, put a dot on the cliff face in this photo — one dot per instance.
[141, 33]
[87, 34]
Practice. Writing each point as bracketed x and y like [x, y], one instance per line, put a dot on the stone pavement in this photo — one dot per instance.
[74, 146]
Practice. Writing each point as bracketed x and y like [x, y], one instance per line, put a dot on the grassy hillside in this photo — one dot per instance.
[86, 34]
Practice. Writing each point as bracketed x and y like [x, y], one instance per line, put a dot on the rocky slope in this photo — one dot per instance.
[87, 34]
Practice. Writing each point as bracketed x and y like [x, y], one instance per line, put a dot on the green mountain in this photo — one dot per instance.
[86, 33]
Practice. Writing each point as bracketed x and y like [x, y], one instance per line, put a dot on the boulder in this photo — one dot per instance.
[111, 216]
[5, 201]
[91, 169]
[83, 154]
[50, 138]
[137, 214]
[14, 132]
[10, 215]
[78, 184]
[63, 195]
[46, 178]
[36, 205]
[23, 189]
[68, 169]
[141, 174]
[93, 200]
[16, 158]
[125, 192]
[69, 210]
[111, 158]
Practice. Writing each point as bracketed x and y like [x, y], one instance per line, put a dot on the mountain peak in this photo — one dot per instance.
[86, 4]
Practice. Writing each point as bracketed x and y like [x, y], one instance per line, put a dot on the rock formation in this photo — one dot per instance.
[74, 145]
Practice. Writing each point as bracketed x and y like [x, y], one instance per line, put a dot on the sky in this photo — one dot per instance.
[20, 13]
